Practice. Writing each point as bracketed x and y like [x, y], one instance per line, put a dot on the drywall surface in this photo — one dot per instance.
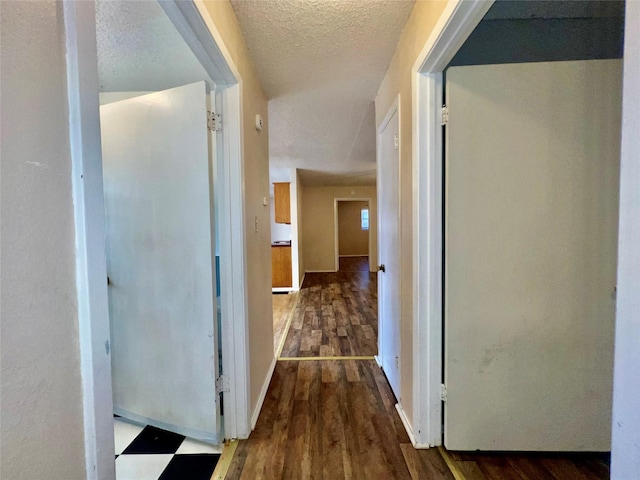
[352, 239]
[256, 186]
[625, 449]
[42, 418]
[318, 229]
[423, 18]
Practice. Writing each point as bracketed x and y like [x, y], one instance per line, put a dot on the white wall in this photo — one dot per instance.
[625, 454]
[42, 416]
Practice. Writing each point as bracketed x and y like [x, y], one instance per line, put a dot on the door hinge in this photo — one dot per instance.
[222, 384]
[396, 142]
[214, 122]
[445, 115]
[443, 392]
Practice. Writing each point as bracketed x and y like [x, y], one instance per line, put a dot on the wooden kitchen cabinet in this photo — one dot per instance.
[282, 202]
[281, 266]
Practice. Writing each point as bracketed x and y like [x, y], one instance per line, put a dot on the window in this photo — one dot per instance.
[364, 218]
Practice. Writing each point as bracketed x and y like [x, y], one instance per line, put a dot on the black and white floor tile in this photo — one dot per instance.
[149, 453]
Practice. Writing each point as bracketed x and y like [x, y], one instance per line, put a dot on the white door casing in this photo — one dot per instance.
[389, 246]
[532, 170]
[158, 173]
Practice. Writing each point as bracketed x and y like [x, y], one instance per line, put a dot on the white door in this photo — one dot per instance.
[389, 256]
[157, 165]
[532, 173]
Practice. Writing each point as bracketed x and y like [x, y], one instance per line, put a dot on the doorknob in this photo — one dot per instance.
[381, 268]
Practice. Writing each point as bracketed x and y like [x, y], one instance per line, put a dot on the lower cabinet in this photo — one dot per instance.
[281, 266]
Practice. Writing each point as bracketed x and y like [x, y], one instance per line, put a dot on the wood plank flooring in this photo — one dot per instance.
[332, 420]
[530, 466]
[336, 419]
[283, 304]
[354, 264]
[336, 315]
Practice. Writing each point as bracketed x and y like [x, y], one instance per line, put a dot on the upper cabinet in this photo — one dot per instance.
[282, 202]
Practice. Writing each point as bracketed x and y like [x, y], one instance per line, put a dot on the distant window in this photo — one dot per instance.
[364, 218]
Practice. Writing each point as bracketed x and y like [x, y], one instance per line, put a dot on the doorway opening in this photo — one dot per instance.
[353, 234]
[458, 24]
[139, 192]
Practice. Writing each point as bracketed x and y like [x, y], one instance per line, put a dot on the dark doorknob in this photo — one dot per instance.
[381, 268]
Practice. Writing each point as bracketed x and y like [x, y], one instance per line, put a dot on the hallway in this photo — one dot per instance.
[331, 419]
[336, 418]
[336, 315]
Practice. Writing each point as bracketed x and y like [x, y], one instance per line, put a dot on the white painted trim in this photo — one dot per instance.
[212, 31]
[336, 236]
[302, 281]
[233, 272]
[91, 262]
[189, 21]
[457, 22]
[395, 107]
[378, 361]
[263, 394]
[295, 256]
[355, 256]
[407, 425]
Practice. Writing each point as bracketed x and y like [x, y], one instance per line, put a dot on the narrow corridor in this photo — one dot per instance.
[336, 418]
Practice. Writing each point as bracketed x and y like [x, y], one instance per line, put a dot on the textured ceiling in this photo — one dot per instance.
[139, 49]
[321, 63]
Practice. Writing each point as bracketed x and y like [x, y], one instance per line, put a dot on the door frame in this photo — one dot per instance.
[196, 26]
[336, 239]
[458, 20]
[395, 108]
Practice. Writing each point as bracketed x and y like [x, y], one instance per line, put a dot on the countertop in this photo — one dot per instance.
[281, 243]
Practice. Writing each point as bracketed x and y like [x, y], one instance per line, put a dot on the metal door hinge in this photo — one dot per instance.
[214, 122]
[222, 384]
[445, 115]
[396, 141]
[443, 392]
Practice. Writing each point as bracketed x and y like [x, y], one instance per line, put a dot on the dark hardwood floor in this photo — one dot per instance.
[336, 419]
[336, 315]
[530, 466]
[354, 264]
[332, 420]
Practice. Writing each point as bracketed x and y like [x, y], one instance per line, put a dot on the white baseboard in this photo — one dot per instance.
[409, 429]
[378, 360]
[407, 425]
[361, 255]
[263, 394]
[320, 271]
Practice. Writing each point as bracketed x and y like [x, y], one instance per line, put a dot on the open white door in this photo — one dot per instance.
[389, 248]
[158, 177]
[531, 218]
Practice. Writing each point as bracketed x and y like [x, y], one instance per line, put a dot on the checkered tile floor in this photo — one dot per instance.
[149, 453]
